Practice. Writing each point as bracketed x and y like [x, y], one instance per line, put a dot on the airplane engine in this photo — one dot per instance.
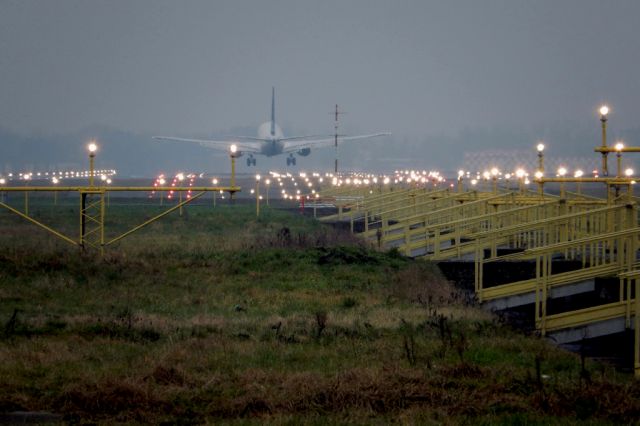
[304, 152]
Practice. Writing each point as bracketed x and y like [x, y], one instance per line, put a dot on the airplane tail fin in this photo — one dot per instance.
[273, 111]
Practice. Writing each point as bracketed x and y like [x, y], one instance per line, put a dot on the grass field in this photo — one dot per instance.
[216, 317]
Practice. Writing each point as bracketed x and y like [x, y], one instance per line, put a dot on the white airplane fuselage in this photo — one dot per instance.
[272, 145]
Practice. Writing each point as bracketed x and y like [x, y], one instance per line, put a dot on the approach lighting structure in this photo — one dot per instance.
[93, 147]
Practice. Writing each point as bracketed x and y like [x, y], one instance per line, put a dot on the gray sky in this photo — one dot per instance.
[409, 67]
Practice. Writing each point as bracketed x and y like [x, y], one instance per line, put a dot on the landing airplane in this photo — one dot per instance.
[270, 141]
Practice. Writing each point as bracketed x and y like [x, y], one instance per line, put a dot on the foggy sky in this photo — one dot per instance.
[408, 67]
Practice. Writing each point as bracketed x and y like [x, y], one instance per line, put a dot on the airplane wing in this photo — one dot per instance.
[252, 145]
[295, 145]
[303, 138]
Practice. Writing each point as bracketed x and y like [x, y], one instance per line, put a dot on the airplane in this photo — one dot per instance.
[270, 141]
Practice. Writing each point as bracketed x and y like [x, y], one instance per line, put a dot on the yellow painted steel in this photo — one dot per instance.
[155, 218]
[40, 224]
[91, 233]
[92, 219]
[601, 235]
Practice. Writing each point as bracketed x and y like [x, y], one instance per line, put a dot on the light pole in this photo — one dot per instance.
[108, 197]
[161, 181]
[539, 175]
[180, 177]
[214, 182]
[540, 148]
[628, 173]
[619, 147]
[3, 182]
[604, 111]
[520, 174]
[26, 178]
[578, 174]
[494, 177]
[257, 195]
[562, 171]
[233, 150]
[92, 155]
[55, 181]
[267, 182]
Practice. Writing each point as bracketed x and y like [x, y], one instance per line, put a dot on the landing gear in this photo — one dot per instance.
[251, 161]
[291, 160]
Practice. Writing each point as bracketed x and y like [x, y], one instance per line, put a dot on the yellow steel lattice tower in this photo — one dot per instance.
[92, 219]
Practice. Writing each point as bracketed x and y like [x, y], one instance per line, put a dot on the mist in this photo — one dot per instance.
[445, 78]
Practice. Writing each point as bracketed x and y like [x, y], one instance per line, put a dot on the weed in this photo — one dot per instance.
[321, 323]
[349, 302]
[149, 334]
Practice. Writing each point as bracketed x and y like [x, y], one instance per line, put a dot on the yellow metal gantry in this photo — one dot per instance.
[599, 236]
[91, 234]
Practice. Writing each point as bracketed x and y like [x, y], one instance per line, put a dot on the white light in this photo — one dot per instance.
[520, 173]
[55, 180]
[495, 171]
[233, 148]
[628, 172]
[578, 173]
[3, 181]
[619, 146]
[540, 147]
[258, 177]
[562, 171]
[539, 174]
[604, 110]
[214, 181]
[92, 147]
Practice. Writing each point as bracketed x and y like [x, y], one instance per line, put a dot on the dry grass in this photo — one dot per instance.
[248, 325]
